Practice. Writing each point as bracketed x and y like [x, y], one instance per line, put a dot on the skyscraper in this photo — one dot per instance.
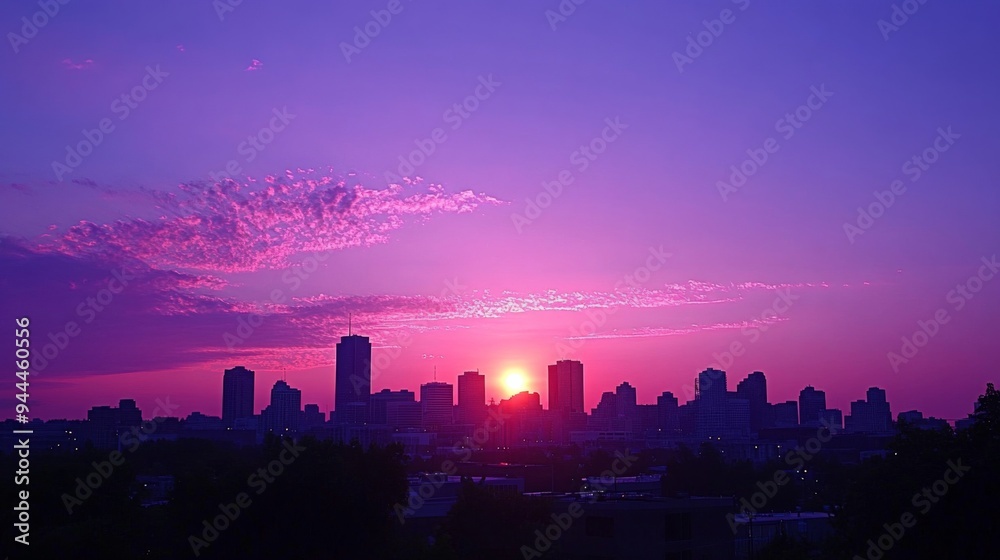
[566, 386]
[284, 414]
[471, 398]
[667, 416]
[106, 424]
[352, 391]
[872, 416]
[833, 419]
[380, 403]
[785, 415]
[710, 392]
[524, 420]
[812, 403]
[626, 399]
[737, 416]
[754, 390]
[237, 395]
[436, 400]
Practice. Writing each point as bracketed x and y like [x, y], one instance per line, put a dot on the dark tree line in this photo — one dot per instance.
[331, 501]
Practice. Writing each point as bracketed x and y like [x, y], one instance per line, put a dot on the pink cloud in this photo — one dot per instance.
[68, 63]
[653, 332]
[233, 227]
[254, 65]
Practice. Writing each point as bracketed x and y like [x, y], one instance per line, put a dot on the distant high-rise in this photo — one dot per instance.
[605, 415]
[566, 386]
[471, 398]
[626, 402]
[666, 412]
[106, 424]
[284, 414]
[737, 416]
[237, 395]
[525, 420]
[754, 390]
[785, 415]
[128, 414]
[380, 403]
[710, 392]
[436, 399]
[312, 417]
[353, 379]
[872, 416]
[617, 411]
[832, 418]
[812, 403]
[403, 414]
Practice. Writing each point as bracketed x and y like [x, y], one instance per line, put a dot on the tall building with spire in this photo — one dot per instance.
[352, 390]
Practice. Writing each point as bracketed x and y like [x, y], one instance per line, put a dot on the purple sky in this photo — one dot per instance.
[649, 264]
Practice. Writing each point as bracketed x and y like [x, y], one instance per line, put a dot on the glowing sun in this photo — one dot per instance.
[515, 381]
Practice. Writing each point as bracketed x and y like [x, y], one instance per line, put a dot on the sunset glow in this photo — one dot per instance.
[777, 203]
[515, 381]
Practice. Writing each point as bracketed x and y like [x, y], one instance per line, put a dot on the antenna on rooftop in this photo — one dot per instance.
[348, 324]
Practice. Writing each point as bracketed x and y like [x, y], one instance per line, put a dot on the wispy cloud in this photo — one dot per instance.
[189, 313]
[70, 64]
[241, 227]
[655, 332]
